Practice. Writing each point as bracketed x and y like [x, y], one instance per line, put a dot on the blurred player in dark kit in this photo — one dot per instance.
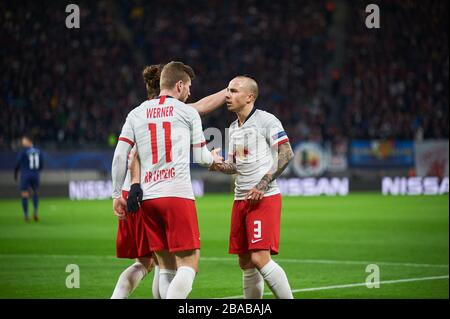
[29, 163]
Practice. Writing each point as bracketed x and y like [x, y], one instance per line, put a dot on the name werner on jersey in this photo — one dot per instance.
[158, 112]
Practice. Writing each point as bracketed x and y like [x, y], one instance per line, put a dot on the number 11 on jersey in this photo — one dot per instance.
[167, 127]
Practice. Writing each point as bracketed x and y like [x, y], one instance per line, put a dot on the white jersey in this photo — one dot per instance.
[164, 130]
[253, 147]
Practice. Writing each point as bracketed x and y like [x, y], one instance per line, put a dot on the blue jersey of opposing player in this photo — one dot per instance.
[30, 163]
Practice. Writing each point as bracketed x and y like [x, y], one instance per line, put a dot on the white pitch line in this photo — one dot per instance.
[227, 259]
[385, 282]
[337, 262]
[351, 262]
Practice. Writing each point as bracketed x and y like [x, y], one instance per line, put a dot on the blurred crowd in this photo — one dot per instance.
[395, 81]
[66, 87]
[74, 87]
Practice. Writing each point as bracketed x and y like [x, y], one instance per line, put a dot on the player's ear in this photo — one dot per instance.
[180, 86]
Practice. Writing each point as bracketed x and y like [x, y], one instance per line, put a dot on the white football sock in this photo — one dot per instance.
[253, 283]
[129, 279]
[155, 284]
[165, 278]
[276, 279]
[181, 285]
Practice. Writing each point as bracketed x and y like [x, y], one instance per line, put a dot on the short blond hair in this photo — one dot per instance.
[173, 72]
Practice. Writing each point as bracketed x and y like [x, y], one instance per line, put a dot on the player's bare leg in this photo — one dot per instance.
[25, 195]
[167, 271]
[130, 278]
[272, 273]
[252, 280]
[155, 283]
[187, 268]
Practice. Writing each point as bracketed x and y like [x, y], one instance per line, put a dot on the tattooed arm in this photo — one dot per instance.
[285, 155]
[226, 167]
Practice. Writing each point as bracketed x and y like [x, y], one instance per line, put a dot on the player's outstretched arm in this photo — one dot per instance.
[227, 167]
[285, 155]
[206, 158]
[210, 102]
[200, 152]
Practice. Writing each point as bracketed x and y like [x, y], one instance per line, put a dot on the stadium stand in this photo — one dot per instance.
[73, 88]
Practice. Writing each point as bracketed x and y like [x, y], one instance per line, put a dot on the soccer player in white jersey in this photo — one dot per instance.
[132, 241]
[259, 151]
[164, 130]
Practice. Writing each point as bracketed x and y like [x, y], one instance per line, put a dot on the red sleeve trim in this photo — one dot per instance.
[124, 139]
[281, 142]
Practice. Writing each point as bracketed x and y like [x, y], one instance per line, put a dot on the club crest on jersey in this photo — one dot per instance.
[241, 152]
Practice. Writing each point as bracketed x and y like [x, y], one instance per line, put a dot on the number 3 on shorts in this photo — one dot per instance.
[257, 229]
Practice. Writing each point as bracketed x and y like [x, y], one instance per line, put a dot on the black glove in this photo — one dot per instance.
[134, 197]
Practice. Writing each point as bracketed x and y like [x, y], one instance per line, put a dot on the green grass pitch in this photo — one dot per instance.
[326, 244]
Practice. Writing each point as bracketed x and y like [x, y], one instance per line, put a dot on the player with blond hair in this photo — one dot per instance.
[164, 128]
[132, 240]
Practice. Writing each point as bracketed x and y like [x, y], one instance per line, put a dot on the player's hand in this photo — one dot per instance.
[134, 198]
[254, 195]
[257, 192]
[119, 205]
[217, 158]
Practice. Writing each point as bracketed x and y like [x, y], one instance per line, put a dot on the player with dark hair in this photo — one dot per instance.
[30, 163]
[132, 237]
